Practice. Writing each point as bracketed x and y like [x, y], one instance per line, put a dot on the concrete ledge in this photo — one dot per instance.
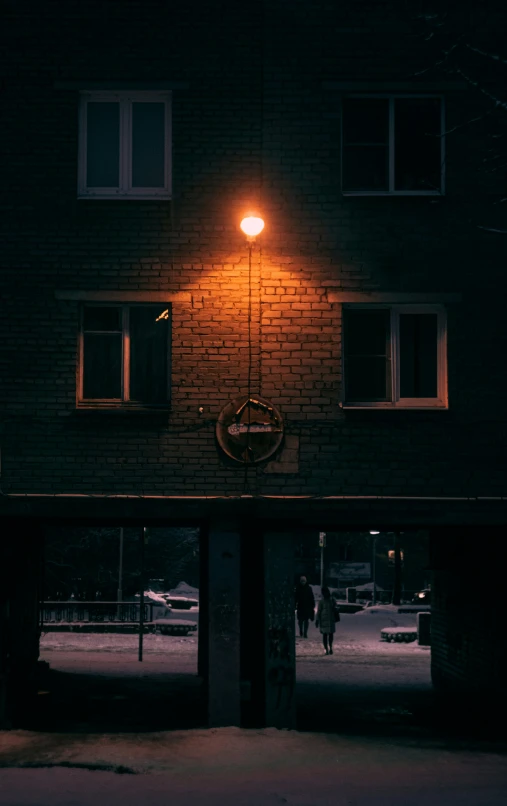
[414, 609]
[349, 607]
[393, 297]
[168, 626]
[399, 635]
[124, 296]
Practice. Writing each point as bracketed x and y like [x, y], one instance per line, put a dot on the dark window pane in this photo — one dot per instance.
[148, 355]
[367, 355]
[365, 139]
[418, 355]
[103, 145]
[102, 366]
[365, 120]
[148, 140]
[365, 168]
[98, 318]
[417, 142]
[367, 332]
[367, 379]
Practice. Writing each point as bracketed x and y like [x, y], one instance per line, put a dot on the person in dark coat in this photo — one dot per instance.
[325, 620]
[305, 606]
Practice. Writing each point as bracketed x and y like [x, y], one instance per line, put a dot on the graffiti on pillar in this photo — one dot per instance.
[281, 674]
[279, 644]
[225, 615]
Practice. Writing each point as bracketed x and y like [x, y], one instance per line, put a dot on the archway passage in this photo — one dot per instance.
[447, 683]
[119, 631]
[247, 665]
[377, 676]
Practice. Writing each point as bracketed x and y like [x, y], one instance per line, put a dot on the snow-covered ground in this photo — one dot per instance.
[354, 632]
[233, 767]
[360, 632]
[153, 644]
[360, 658]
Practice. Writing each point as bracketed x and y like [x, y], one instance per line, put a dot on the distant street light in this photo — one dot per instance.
[322, 544]
[120, 574]
[374, 534]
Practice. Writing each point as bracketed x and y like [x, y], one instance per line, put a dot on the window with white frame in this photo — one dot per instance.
[393, 145]
[395, 356]
[124, 145]
[124, 355]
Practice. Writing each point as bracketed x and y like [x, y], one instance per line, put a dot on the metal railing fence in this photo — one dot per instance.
[94, 612]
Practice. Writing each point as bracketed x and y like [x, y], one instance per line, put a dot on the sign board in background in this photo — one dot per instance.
[349, 572]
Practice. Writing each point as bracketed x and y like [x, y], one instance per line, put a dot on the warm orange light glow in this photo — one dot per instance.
[252, 226]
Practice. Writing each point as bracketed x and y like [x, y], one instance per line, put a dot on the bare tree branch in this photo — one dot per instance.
[497, 102]
[440, 62]
[467, 123]
[492, 229]
[493, 56]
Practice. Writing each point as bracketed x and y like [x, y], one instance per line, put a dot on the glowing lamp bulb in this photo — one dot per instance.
[252, 226]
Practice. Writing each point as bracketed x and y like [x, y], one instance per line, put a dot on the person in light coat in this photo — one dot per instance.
[325, 620]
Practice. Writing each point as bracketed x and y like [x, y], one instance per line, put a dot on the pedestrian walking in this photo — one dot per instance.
[305, 606]
[325, 620]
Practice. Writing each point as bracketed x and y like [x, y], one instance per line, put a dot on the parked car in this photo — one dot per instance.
[159, 607]
[180, 602]
[422, 597]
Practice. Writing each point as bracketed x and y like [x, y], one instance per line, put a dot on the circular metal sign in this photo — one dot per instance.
[249, 429]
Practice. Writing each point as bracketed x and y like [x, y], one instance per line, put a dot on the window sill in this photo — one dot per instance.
[124, 197]
[122, 411]
[394, 407]
[433, 193]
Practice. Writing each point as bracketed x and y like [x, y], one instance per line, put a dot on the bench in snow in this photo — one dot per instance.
[174, 626]
[399, 634]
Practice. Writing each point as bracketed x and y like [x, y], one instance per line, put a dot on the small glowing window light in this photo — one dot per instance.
[374, 532]
[252, 226]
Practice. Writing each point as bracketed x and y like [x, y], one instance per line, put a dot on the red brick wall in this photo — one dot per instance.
[254, 126]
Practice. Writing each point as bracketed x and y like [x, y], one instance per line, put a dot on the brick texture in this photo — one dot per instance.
[255, 126]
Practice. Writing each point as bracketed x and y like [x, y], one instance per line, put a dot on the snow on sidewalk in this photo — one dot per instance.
[153, 643]
[354, 632]
[360, 633]
[234, 767]
[360, 658]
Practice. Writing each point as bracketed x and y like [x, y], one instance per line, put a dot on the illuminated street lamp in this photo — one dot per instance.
[252, 226]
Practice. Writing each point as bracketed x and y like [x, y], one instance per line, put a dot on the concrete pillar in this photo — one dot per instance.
[203, 630]
[252, 627]
[4, 627]
[224, 691]
[279, 637]
[20, 593]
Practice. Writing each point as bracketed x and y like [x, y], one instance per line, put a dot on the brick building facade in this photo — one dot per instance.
[253, 102]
